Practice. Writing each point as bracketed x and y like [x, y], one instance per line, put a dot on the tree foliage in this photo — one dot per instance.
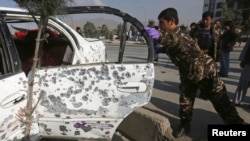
[43, 7]
[89, 30]
[119, 30]
[240, 16]
[105, 31]
[244, 8]
[133, 30]
[151, 23]
[228, 14]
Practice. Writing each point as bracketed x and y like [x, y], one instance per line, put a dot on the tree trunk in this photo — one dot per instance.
[29, 106]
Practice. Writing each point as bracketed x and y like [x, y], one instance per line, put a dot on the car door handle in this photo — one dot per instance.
[132, 87]
[19, 99]
[13, 99]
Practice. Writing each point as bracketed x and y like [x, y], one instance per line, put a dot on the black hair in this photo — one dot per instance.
[193, 24]
[77, 28]
[168, 14]
[228, 23]
[207, 14]
[216, 21]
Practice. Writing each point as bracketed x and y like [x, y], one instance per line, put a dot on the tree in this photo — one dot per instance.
[105, 31]
[133, 30]
[89, 30]
[228, 15]
[119, 30]
[241, 15]
[43, 8]
[151, 23]
[244, 7]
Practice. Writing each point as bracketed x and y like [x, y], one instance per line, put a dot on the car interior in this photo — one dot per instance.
[53, 49]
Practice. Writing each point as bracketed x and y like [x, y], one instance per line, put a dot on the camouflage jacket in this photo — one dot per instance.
[185, 53]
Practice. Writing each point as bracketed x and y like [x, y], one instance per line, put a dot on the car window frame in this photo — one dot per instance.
[127, 18]
[11, 57]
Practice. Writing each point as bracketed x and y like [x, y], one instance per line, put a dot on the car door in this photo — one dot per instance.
[90, 100]
[13, 90]
[13, 95]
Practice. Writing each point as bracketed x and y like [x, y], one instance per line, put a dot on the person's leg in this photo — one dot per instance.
[227, 62]
[223, 106]
[156, 57]
[187, 97]
[203, 86]
[242, 86]
[223, 64]
[240, 93]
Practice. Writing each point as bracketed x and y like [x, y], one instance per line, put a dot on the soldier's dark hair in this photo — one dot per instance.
[168, 14]
[207, 14]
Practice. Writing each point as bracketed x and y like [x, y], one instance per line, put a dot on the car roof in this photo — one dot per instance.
[71, 10]
[12, 10]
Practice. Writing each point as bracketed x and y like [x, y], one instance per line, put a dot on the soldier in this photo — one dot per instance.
[197, 70]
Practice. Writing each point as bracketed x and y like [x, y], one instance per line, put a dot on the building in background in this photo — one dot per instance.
[216, 7]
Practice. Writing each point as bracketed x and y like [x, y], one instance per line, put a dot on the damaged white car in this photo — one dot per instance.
[83, 87]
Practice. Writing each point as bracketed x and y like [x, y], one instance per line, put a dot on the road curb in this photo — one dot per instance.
[145, 125]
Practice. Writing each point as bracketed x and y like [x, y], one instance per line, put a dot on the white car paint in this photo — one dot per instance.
[87, 99]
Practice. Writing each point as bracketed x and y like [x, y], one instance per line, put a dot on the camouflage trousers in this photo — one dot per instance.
[215, 91]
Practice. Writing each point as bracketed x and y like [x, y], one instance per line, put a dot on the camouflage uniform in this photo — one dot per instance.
[197, 70]
[217, 32]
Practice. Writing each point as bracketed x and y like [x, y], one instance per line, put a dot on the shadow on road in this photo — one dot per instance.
[201, 118]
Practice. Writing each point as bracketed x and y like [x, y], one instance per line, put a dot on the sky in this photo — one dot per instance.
[188, 10]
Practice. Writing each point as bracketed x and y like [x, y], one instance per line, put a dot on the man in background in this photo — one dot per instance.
[227, 41]
[78, 30]
[207, 36]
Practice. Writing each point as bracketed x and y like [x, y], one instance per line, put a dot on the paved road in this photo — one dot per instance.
[165, 98]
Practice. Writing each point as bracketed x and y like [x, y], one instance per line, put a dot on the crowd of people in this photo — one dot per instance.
[197, 55]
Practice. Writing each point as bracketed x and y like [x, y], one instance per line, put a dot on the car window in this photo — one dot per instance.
[112, 31]
[105, 37]
[24, 34]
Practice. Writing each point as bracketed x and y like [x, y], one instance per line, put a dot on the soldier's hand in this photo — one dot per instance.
[152, 32]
